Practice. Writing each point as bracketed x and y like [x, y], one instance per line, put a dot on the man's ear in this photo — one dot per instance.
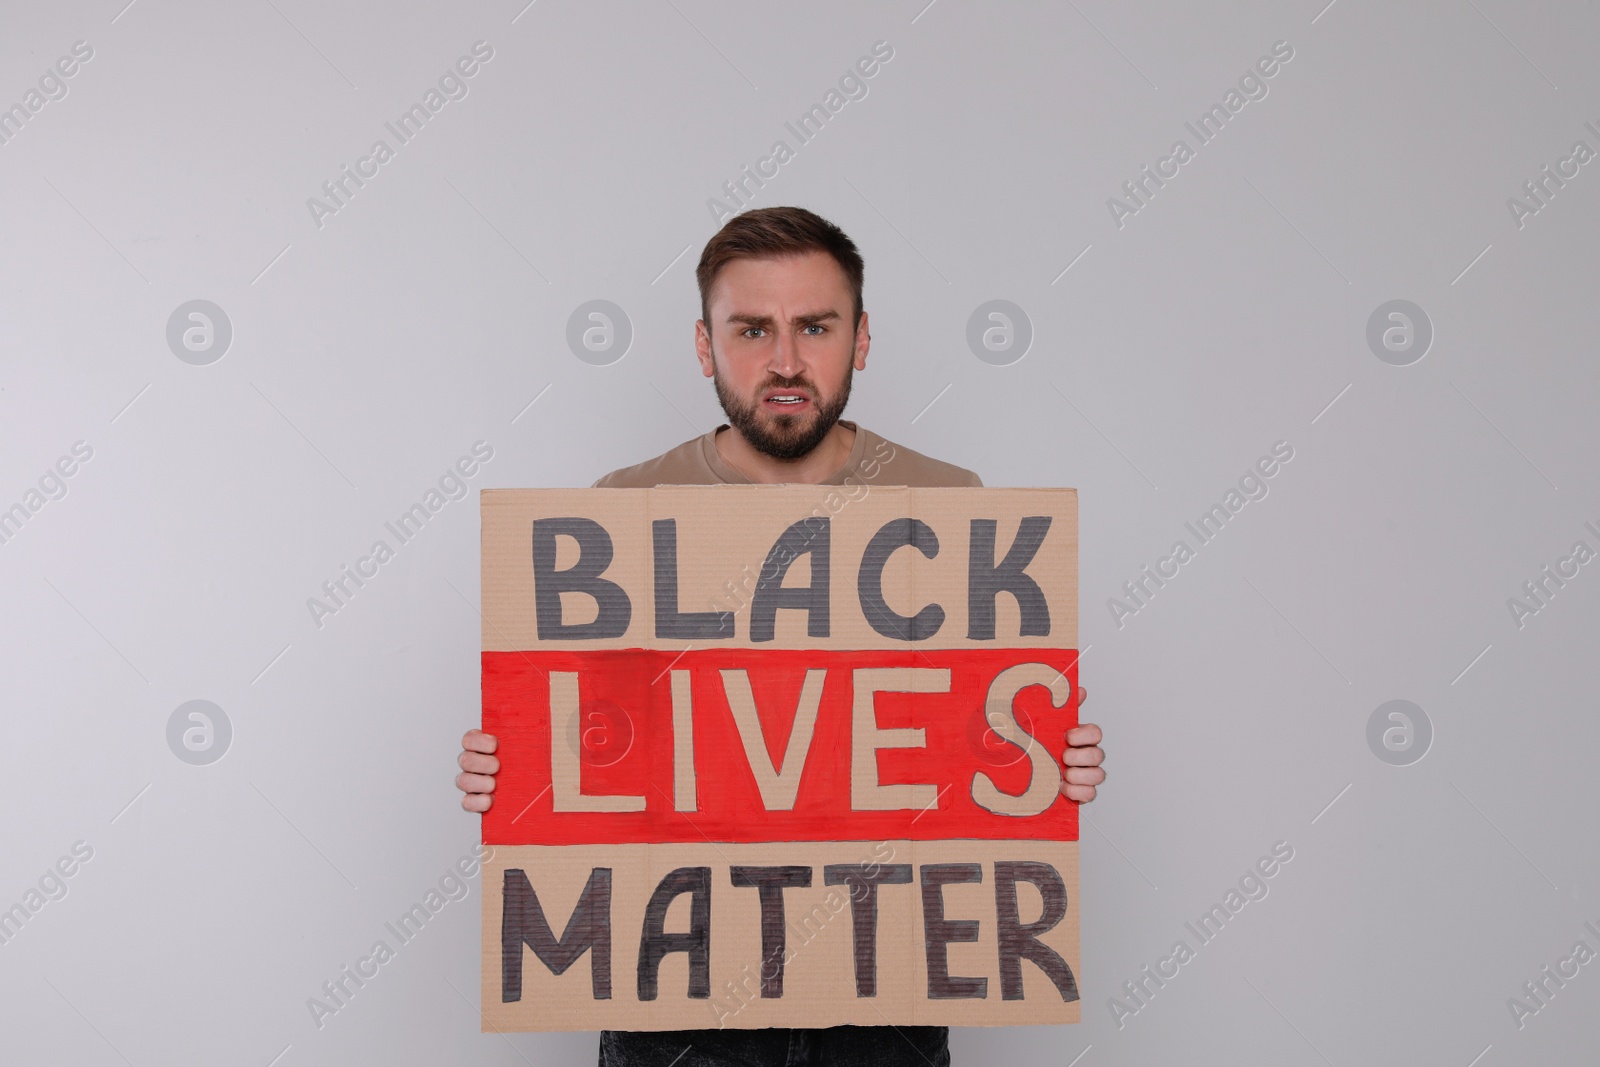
[863, 342]
[702, 348]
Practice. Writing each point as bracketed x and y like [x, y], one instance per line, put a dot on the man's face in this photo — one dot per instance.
[780, 349]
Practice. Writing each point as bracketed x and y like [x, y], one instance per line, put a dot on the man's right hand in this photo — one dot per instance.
[478, 768]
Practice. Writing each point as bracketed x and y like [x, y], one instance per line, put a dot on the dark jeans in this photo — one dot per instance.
[836, 1046]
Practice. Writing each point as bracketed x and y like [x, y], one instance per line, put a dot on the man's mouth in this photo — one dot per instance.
[788, 402]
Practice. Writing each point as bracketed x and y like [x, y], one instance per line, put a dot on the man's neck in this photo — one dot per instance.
[812, 468]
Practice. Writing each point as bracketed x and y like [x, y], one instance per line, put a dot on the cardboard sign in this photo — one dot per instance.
[775, 757]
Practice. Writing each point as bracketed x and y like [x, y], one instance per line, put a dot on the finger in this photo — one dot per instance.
[1083, 694]
[476, 740]
[1084, 776]
[478, 763]
[474, 783]
[1085, 734]
[1072, 757]
[477, 803]
[1081, 793]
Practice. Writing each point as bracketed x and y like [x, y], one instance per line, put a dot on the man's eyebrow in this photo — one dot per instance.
[765, 321]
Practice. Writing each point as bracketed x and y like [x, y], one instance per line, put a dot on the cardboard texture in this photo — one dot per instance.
[775, 756]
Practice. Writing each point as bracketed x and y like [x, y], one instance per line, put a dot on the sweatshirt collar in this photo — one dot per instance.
[721, 468]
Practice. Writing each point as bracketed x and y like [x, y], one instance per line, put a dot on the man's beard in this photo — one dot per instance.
[783, 436]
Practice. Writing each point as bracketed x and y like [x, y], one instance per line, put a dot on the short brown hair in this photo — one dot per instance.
[774, 232]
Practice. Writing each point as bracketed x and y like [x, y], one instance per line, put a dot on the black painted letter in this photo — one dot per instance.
[869, 581]
[654, 942]
[808, 535]
[939, 931]
[1018, 940]
[864, 912]
[522, 922]
[770, 882]
[987, 579]
[594, 556]
[670, 622]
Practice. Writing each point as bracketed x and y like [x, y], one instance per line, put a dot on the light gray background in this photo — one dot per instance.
[368, 354]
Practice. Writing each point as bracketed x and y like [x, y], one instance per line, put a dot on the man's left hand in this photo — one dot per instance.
[1081, 762]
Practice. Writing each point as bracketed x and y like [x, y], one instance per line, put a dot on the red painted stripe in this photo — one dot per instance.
[625, 743]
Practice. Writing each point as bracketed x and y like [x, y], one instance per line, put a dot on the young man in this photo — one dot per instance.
[780, 335]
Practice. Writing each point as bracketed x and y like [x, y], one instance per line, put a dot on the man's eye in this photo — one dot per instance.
[817, 326]
[748, 329]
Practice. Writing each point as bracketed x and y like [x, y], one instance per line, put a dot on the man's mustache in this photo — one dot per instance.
[799, 385]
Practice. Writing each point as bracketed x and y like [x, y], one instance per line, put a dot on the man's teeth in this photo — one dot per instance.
[786, 399]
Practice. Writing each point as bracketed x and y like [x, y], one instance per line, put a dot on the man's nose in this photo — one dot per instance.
[785, 361]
